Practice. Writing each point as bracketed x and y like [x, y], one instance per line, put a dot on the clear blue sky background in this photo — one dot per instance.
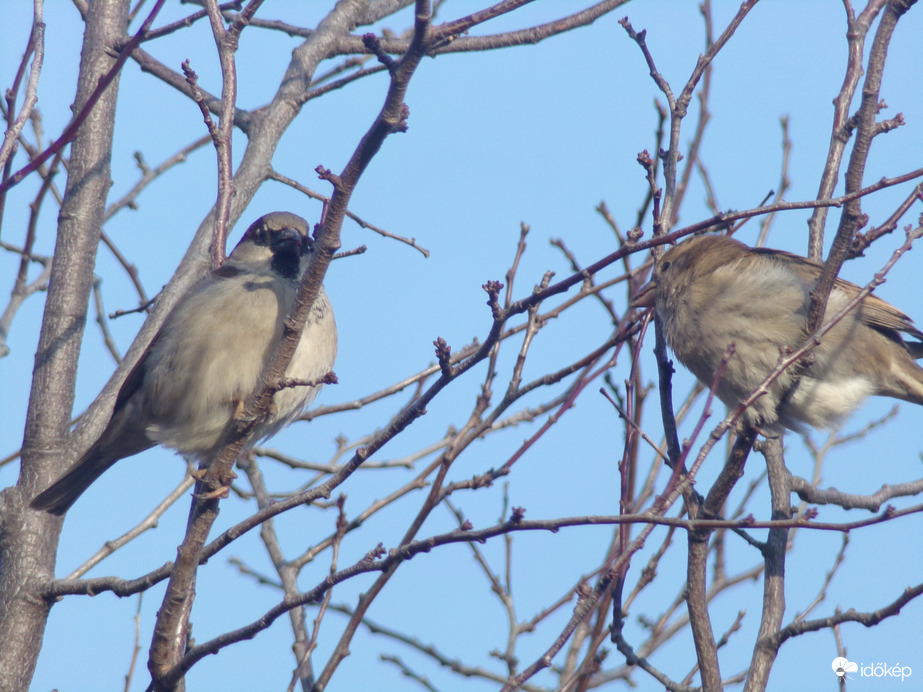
[537, 134]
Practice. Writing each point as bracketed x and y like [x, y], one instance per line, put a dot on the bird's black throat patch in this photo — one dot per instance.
[286, 264]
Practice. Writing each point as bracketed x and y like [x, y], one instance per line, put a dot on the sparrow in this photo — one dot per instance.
[712, 291]
[192, 381]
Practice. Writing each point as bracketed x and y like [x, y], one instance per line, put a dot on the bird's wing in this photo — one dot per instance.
[133, 382]
[873, 311]
[877, 313]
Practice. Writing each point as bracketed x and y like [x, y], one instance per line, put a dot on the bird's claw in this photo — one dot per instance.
[238, 414]
[198, 474]
[219, 493]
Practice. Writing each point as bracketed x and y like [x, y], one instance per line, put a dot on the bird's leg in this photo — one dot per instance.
[223, 484]
[219, 493]
[239, 412]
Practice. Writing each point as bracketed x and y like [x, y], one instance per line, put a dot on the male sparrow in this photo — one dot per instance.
[191, 382]
[712, 291]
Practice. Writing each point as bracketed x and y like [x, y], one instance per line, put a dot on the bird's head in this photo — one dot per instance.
[276, 242]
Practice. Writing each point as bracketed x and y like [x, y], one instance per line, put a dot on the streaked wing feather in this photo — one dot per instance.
[873, 311]
[133, 382]
[877, 313]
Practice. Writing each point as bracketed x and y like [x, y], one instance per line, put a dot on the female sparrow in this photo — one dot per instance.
[712, 291]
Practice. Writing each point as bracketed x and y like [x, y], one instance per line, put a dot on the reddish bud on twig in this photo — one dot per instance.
[443, 354]
[493, 289]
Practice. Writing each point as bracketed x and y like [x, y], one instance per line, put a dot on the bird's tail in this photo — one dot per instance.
[915, 348]
[908, 378]
[61, 494]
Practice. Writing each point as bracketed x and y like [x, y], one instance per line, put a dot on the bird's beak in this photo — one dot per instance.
[287, 240]
[645, 297]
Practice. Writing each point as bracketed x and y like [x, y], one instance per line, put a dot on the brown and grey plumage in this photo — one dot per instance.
[712, 291]
[206, 360]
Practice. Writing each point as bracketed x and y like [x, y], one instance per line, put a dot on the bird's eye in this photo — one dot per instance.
[664, 266]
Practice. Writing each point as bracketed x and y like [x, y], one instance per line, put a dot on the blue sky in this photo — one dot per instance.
[535, 134]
